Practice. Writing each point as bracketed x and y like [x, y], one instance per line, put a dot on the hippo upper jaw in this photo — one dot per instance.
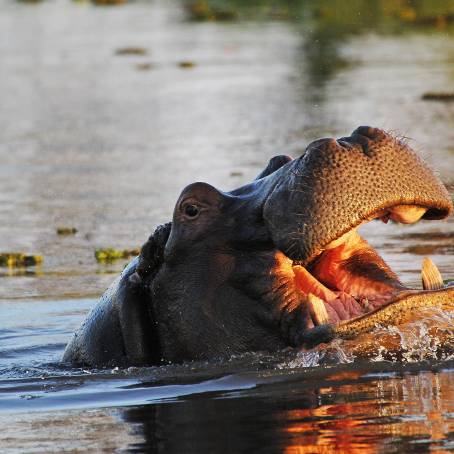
[337, 185]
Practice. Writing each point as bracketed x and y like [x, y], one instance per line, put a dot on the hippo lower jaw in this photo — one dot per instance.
[348, 280]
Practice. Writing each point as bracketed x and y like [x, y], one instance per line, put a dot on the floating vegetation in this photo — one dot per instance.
[433, 96]
[186, 64]
[109, 254]
[440, 20]
[108, 2]
[233, 10]
[144, 66]
[335, 17]
[63, 231]
[131, 51]
[204, 10]
[432, 236]
[101, 2]
[430, 249]
[18, 259]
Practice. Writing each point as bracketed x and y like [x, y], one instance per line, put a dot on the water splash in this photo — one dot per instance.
[322, 355]
[431, 337]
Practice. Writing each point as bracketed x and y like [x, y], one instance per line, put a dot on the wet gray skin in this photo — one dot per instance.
[233, 271]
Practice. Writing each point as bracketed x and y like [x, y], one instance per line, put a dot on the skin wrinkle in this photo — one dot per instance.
[358, 265]
[339, 310]
[338, 264]
[285, 277]
[224, 264]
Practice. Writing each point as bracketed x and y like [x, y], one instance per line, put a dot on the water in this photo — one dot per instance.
[93, 141]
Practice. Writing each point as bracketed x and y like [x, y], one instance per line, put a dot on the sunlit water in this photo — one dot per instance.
[90, 140]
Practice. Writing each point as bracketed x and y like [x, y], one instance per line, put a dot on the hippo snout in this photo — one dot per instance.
[336, 185]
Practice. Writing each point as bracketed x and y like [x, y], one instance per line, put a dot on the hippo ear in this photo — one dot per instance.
[203, 193]
[275, 163]
[151, 254]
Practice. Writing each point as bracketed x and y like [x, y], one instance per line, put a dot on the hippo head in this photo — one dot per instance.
[246, 270]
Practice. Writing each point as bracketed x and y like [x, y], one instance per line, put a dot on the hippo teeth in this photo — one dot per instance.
[317, 310]
[348, 278]
[430, 275]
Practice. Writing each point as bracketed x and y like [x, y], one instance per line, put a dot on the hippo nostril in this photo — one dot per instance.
[365, 143]
[344, 143]
[369, 132]
[358, 139]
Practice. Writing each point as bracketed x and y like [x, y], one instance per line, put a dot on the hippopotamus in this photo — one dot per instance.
[276, 263]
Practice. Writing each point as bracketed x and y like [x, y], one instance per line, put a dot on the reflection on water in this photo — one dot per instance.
[89, 141]
[392, 412]
[354, 425]
[89, 431]
[353, 409]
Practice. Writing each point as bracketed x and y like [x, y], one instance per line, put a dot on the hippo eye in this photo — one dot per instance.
[191, 211]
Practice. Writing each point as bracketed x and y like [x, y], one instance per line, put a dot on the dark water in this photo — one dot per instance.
[105, 142]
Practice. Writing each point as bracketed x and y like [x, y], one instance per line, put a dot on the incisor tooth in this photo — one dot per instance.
[431, 277]
[317, 309]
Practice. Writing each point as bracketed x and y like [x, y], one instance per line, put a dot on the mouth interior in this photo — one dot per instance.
[349, 276]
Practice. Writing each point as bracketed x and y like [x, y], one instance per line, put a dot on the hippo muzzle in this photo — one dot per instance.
[338, 185]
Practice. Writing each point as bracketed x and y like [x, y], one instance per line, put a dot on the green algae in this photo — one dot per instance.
[144, 66]
[186, 64]
[131, 51]
[64, 231]
[434, 96]
[204, 10]
[108, 255]
[19, 259]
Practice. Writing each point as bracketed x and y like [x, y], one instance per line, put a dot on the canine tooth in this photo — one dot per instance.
[431, 277]
[407, 214]
[317, 309]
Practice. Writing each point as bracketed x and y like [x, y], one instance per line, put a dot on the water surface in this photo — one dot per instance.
[105, 143]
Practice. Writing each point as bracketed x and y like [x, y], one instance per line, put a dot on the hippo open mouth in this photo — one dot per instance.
[349, 278]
